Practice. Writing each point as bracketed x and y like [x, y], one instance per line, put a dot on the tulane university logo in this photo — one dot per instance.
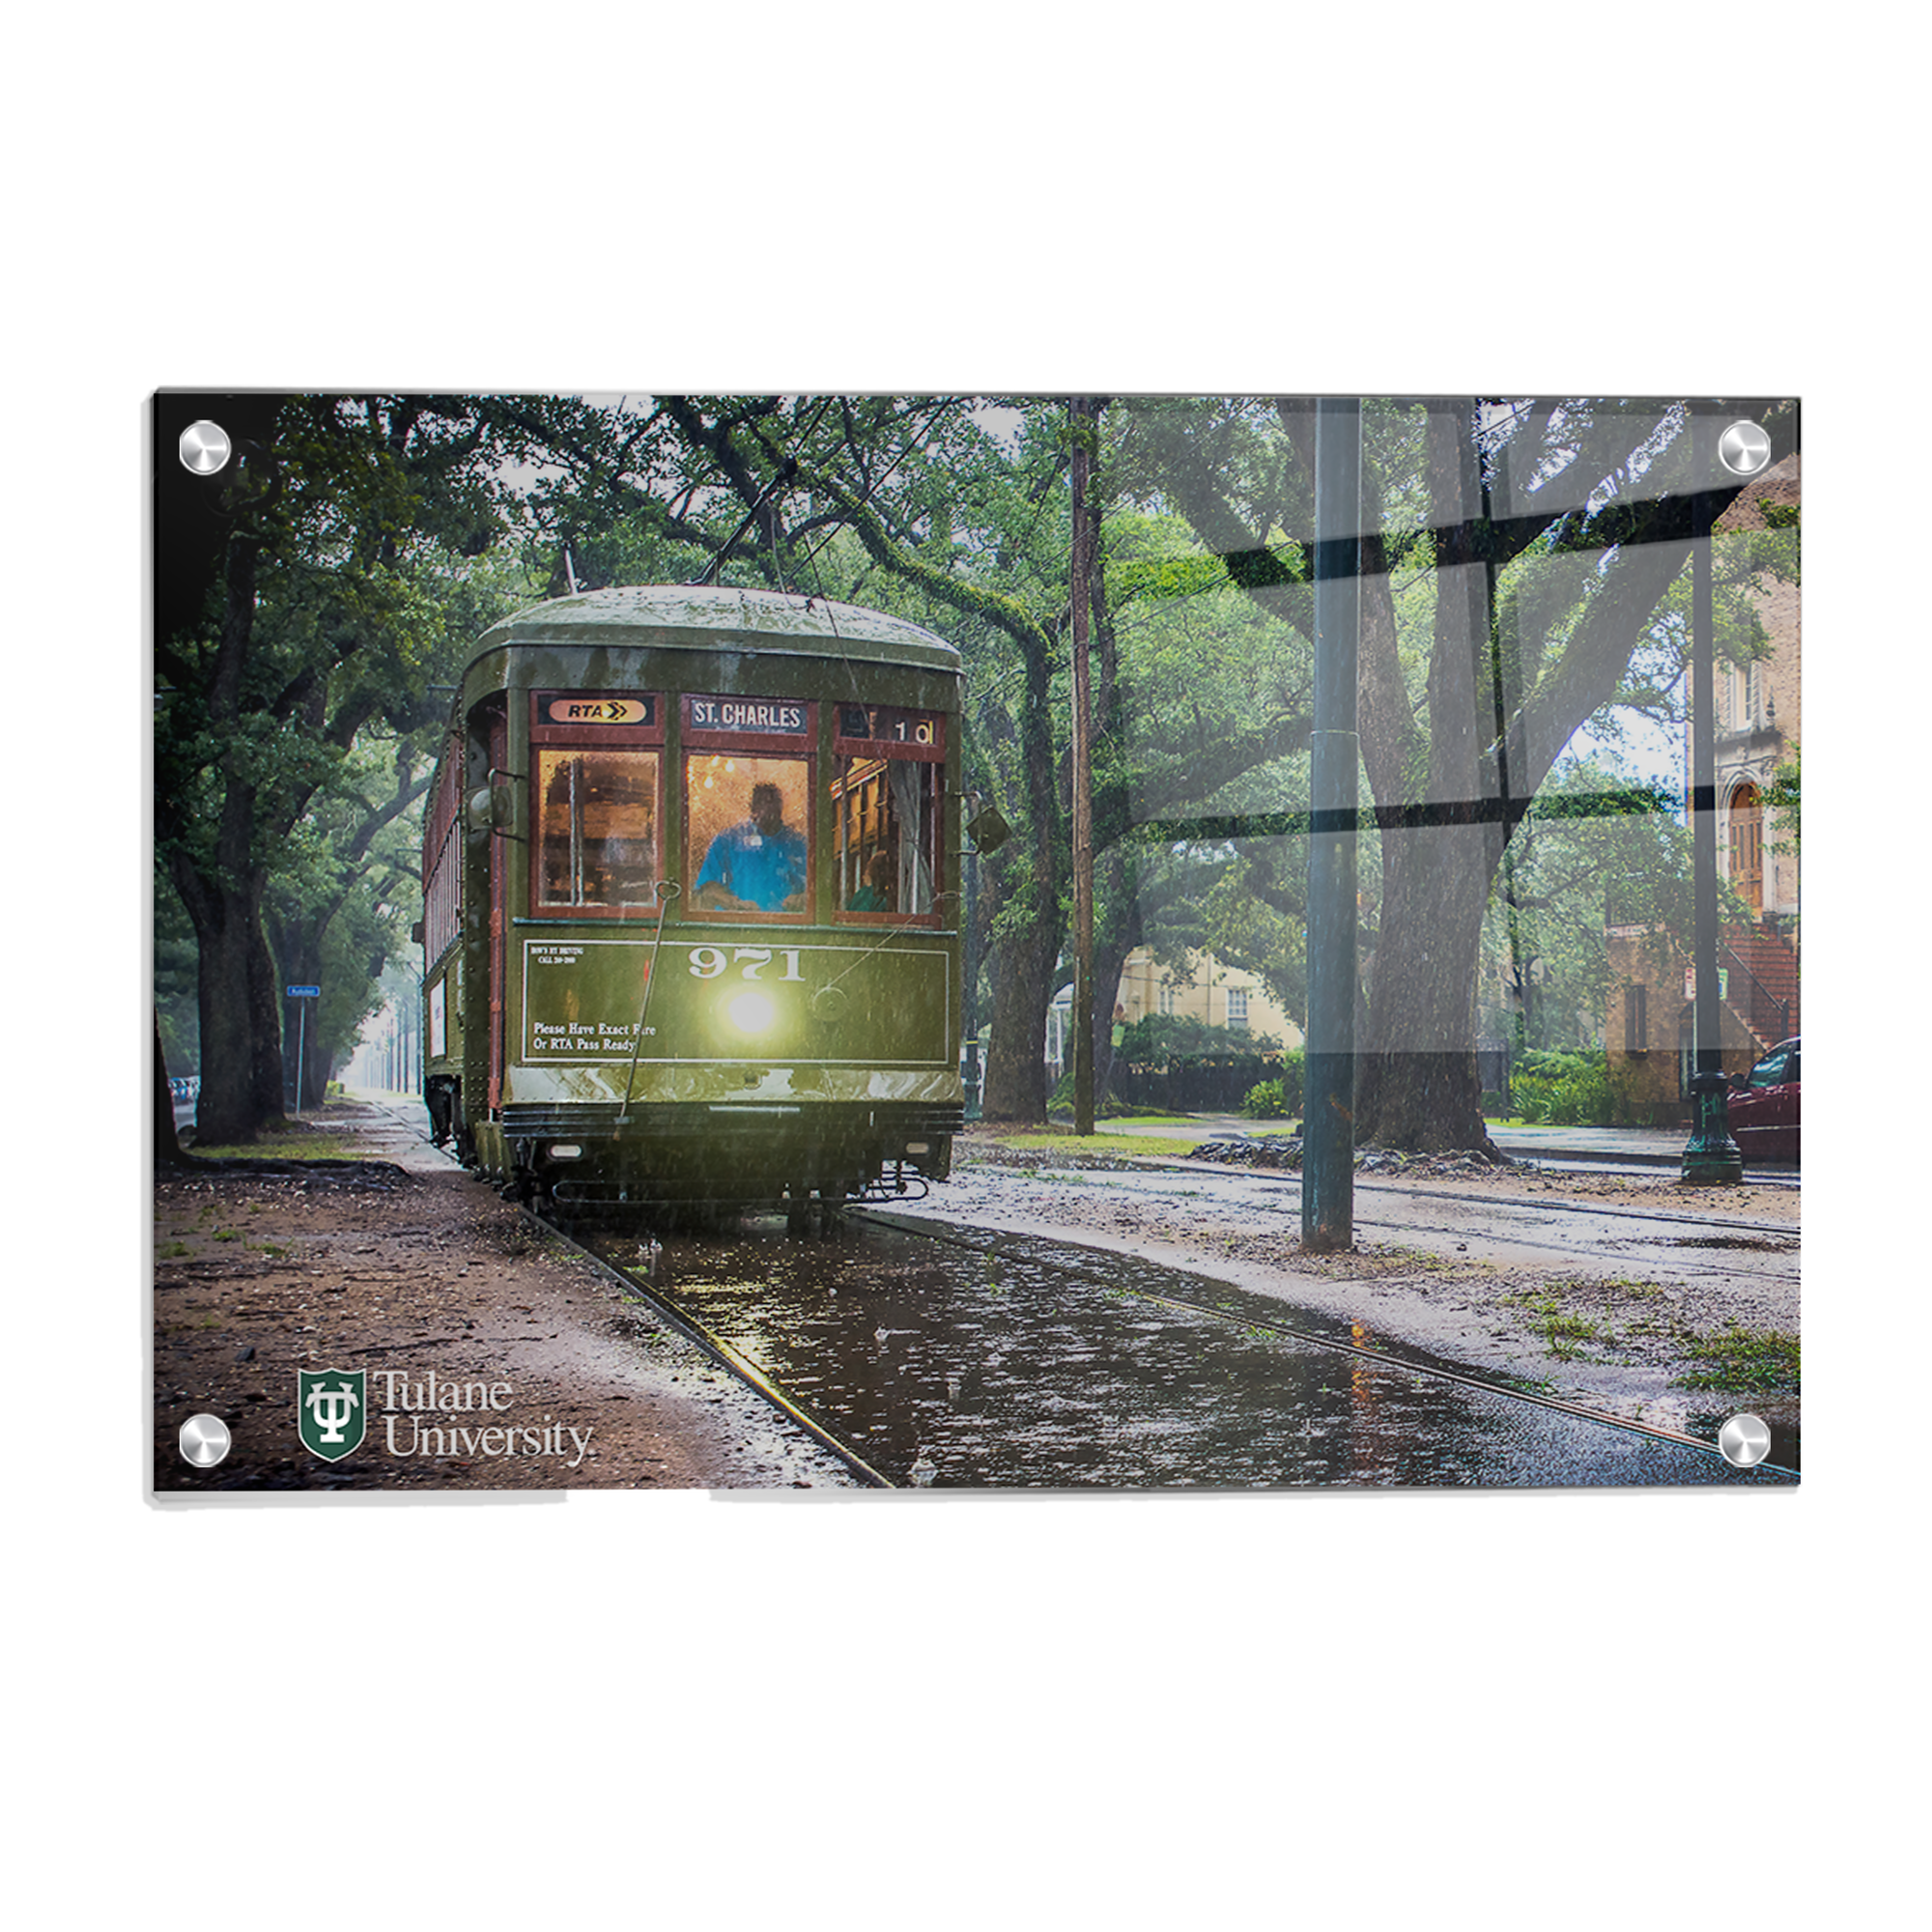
[331, 1415]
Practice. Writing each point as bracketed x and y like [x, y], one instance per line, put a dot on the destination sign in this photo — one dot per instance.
[304, 992]
[601, 710]
[763, 717]
[881, 724]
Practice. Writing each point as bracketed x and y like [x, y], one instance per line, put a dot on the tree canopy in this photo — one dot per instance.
[1522, 576]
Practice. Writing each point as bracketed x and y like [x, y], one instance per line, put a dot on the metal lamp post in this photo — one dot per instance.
[1712, 1158]
[1328, 1131]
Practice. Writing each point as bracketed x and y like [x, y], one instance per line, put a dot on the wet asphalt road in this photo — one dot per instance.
[983, 1361]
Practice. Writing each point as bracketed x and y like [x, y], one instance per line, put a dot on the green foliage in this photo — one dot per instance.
[1568, 1090]
[1061, 1102]
[326, 589]
[1168, 1037]
[1765, 1360]
[1597, 851]
[1278, 1098]
[1782, 798]
[1267, 1100]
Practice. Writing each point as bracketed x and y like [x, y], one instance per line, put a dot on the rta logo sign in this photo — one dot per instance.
[331, 1411]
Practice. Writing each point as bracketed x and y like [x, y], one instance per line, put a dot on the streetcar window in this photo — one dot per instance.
[887, 838]
[442, 848]
[596, 828]
[750, 830]
[886, 794]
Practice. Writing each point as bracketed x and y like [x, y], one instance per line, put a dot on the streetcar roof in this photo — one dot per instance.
[708, 617]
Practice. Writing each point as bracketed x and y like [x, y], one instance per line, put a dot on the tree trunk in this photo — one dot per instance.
[168, 1150]
[298, 947]
[1416, 1081]
[1123, 933]
[1025, 958]
[241, 1046]
[267, 1084]
[222, 1111]
[1024, 964]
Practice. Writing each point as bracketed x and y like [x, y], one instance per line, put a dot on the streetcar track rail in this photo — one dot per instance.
[735, 1361]
[1279, 1177]
[1771, 1238]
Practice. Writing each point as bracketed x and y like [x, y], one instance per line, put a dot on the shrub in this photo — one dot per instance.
[1292, 1065]
[1566, 1090]
[1162, 1037]
[1265, 1101]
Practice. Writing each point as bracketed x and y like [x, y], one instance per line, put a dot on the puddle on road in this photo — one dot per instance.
[1032, 1366]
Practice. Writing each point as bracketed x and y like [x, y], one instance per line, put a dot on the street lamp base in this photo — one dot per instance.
[1713, 1158]
[1710, 1167]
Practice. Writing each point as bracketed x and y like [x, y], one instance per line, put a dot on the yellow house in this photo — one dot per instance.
[1202, 989]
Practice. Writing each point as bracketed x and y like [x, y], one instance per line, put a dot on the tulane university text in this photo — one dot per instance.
[409, 1399]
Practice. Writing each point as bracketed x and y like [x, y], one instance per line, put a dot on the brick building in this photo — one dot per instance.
[1648, 1025]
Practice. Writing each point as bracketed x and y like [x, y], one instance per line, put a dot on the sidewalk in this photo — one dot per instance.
[1641, 1147]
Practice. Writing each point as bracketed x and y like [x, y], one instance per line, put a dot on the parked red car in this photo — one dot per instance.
[1763, 1106]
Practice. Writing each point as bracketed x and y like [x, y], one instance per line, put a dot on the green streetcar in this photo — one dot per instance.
[691, 909]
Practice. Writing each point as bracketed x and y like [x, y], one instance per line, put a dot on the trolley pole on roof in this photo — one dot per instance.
[1083, 416]
[1328, 1098]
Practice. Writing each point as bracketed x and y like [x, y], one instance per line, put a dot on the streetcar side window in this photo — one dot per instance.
[596, 828]
[443, 849]
[887, 792]
[888, 820]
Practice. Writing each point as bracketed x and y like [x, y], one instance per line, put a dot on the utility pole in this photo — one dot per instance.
[1328, 1098]
[1082, 415]
[1712, 1158]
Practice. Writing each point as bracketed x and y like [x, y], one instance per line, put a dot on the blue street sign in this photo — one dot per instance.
[304, 992]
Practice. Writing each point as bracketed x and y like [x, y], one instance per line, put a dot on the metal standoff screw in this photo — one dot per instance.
[1744, 449]
[1745, 1439]
[204, 447]
[205, 1441]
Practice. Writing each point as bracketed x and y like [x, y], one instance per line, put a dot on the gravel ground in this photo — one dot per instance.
[407, 1264]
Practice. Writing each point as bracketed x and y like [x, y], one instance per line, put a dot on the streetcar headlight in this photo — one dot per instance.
[750, 1012]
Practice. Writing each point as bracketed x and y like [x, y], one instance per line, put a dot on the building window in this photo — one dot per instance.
[1746, 845]
[1237, 1007]
[1167, 998]
[1636, 1020]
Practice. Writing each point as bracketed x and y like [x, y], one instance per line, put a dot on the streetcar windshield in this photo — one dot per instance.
[750, 844]
[596, 828]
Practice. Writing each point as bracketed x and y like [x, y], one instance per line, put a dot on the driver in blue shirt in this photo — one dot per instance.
[758, 866]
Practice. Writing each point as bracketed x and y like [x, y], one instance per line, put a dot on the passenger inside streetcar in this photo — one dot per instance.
[757, 864]
[877, 894]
